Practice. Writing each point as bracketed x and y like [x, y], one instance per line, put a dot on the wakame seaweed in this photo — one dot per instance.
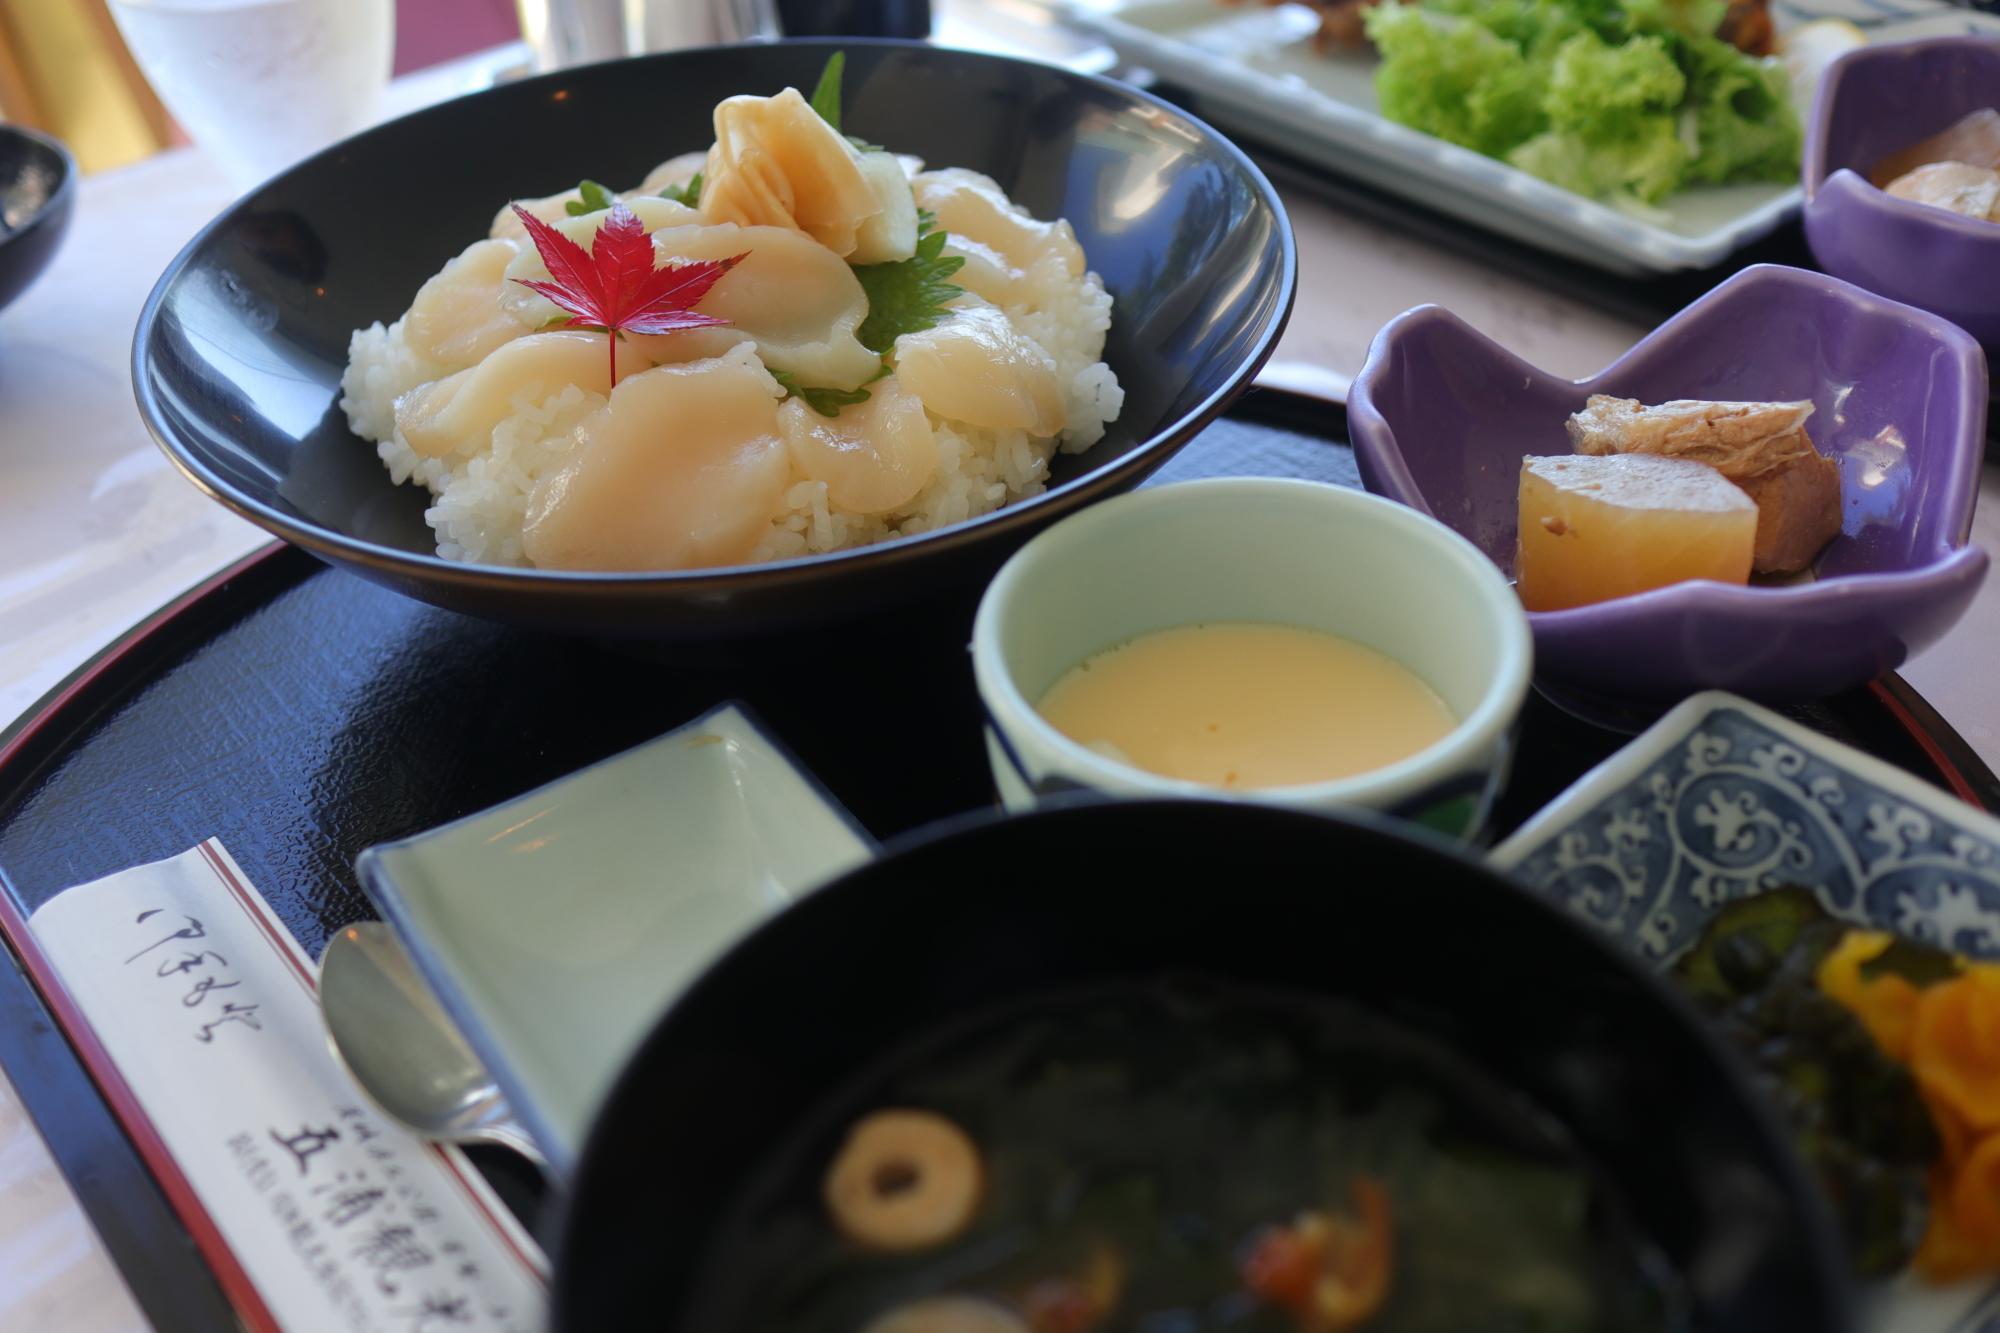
[1858, 1115]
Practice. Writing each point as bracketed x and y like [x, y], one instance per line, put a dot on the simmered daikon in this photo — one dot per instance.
[1594, 528]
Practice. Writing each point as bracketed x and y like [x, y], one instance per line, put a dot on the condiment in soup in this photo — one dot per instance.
[1185, 1157]
[1247, 705]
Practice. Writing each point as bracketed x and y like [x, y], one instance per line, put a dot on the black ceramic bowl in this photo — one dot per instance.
[988, 912]
[238, 354]
[37, 196]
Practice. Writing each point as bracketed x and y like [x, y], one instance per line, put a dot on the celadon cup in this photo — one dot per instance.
[1267, 550]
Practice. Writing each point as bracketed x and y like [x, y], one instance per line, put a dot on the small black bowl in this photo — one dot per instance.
[37, 196]
[239, 351]
[986, 912]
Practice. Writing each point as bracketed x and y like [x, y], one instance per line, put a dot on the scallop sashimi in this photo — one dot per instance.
[792, 297]
[457, 318]
[784, 342]
[976, 367]
[457, 414]
[680, 468]
[1011, 259]
[873, 457]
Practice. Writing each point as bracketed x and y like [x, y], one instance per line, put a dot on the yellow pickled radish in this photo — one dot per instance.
[1594, 528]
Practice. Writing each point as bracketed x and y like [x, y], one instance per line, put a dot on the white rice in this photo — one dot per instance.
[481, 498]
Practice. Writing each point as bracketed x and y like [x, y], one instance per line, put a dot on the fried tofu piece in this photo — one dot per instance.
[1762, 447]
[1738, 440]
[1798, 513]
[1340, 27]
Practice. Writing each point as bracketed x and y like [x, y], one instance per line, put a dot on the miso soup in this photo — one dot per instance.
[1179, 1158]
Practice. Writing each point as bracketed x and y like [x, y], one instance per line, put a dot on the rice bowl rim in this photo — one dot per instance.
[1144, 455]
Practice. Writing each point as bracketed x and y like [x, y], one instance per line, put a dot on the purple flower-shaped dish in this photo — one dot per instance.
[1875, 101]
[1442, 416]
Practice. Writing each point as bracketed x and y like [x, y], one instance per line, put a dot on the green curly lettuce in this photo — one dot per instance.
[1744, 127]
[1609, 98]
[1459, 81]
[1613, 115]
[1647, 163]
[1606, 91]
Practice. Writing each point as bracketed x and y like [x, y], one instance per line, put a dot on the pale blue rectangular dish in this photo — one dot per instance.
[555, 928]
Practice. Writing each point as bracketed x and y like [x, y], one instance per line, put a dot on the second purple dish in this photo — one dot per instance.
[1873, 104]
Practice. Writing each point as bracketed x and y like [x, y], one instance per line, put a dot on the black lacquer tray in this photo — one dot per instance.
[300, 714]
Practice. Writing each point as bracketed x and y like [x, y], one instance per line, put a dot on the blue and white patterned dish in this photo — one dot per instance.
[1722, 799]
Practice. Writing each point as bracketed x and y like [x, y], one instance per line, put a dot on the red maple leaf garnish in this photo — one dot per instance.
[614, 286]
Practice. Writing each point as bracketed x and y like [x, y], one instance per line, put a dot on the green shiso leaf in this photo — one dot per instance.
[594, 199]
[688, 192]
[826, 402]
[825, 97]
[911, 294]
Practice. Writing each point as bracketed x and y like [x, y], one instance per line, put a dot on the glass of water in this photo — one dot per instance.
[573, 32]
[259, 84]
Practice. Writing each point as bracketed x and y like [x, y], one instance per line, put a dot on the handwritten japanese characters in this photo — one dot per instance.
[189, 961]
[342, 1221]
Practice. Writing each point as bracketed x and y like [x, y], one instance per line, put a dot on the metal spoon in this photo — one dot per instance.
[408, 1056]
